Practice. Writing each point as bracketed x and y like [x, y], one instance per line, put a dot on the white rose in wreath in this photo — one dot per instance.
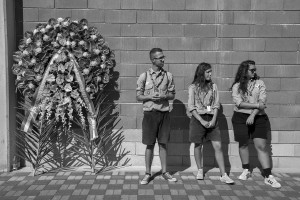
[48, 26]
[38, 50]
[28, 40]
[103, 66]
[81, 42]
[86, 71]
[46, 37]
[85, 54]
[38, 43]
[93, 63]
[33, 61]
[43, 30]
[73, 43]
[60, 19]
[68, 87]
[25, 52]
[96, 51]
[35, 31]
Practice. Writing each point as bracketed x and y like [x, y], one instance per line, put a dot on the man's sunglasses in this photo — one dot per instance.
[160, 58]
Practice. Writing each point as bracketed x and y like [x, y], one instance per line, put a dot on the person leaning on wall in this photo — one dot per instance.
[203, 104]
[155, 88]
[250, 120]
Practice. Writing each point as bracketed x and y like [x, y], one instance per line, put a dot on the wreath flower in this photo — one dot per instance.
[54, 62]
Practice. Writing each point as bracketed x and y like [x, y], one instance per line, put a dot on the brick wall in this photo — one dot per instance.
[221, 32]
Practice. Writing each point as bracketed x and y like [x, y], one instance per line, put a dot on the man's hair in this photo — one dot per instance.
[154, 50]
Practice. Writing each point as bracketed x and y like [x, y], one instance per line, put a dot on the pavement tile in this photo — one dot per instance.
[21, 187]
[88, 177]
[64, 192]
[12, 183]
[47, 192]
[112, 197]
[82, 186]
[60, 177]
[60, 197]
[162, 192]
[130, 192]
[77, 197]
[114, 187]
[52, 187]
[129, 197]
[226, 193]
[145, 197]
[97, 192]
[125, 186]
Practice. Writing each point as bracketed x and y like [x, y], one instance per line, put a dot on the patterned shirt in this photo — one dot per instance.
[152, 82]
[203, 102]
[256, 92]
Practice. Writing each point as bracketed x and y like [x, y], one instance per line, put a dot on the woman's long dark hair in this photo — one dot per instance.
[199, 77]
[242, 76]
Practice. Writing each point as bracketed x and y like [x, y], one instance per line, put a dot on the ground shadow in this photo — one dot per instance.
[116, 153]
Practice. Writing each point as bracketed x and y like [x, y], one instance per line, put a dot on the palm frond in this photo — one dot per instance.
[35, 146]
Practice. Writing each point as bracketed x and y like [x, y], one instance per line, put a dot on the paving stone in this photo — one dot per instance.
[125, 186]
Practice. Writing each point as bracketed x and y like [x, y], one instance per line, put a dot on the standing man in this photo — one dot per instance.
[155, 88]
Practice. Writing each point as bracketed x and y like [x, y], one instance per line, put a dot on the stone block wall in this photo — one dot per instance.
[221, 32]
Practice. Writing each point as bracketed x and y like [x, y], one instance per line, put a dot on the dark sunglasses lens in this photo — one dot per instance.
[160, 58]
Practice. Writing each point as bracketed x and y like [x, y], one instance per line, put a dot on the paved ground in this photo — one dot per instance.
[125, 185]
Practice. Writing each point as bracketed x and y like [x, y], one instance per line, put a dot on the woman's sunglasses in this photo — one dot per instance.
[252, 70]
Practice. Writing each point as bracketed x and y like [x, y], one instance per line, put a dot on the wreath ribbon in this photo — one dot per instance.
[32, 113]
[91, 109]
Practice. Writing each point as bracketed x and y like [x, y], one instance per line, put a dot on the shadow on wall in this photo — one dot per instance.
[111, 154]
[19, 35]
[117, 155]
[65, 149]
[180, 122]
[179, 136]
[19, 20]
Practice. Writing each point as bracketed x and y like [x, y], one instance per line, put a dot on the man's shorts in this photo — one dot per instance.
[198, 132]
[156, 124]
[243, 132]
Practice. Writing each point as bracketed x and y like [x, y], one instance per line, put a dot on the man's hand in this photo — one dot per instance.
[158, 97]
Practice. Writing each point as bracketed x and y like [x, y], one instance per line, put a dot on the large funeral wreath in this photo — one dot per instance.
[61, 66]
